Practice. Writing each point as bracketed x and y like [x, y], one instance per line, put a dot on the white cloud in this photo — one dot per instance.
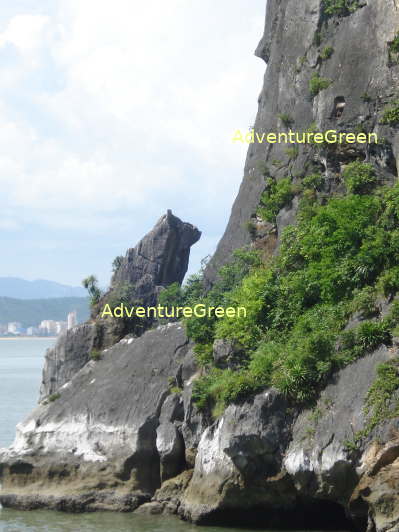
[25, 33]
[128, 105]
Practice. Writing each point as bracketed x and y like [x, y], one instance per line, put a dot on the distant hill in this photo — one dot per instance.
[41, 289]
[33, 311]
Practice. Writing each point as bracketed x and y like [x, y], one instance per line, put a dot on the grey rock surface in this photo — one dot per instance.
[317, 458]
[235, 456]
[100, 435]
[170, 443]
[70, 353]
[226, 354]
[159, 259]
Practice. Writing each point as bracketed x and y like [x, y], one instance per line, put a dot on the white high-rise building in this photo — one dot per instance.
[48, 327]
[72, 319]
[13, 327]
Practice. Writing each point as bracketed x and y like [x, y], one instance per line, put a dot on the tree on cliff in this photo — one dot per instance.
[91, 285]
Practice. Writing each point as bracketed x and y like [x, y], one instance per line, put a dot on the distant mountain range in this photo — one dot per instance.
[33, 311]
[15, 287]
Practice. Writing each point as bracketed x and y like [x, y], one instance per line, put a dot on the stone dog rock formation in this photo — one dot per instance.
[158, 260]
[119, 436]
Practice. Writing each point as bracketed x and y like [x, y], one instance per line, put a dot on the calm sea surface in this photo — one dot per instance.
[21, 363]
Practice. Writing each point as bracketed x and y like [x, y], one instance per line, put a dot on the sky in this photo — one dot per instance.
[113, 112]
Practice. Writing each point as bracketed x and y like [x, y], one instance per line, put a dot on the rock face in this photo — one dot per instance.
[70, 353]
[159, 259]
[361, 74]
[110, 437]
[288, 465]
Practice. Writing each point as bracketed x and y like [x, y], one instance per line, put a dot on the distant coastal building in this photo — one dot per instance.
[14, 327]
[72, 319]
[46, 327]
[32, 331]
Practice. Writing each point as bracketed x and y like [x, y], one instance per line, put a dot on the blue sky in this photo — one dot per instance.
[113, 112]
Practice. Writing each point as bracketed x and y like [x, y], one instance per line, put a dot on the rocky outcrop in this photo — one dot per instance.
[110, 437]
[284, 463]
[67, 357]
[122, 435]
[379, 487]
[159, 259]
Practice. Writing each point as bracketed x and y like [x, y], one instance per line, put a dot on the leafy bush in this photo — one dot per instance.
[382, 401]
[366, 97]
[317, 84]
[53, 397]
[359, 177]
[203, 354]
[117, 262]
[313, 181]
[364, 301]
[251, 228]
[123, 293]
[286, 119]
[95, 354]
[370, 335]
[389, 282]
[249, 294]
[202, 330]
[340, 8]
[278, 194]
[391, 114]
[394, 45]
[171, 296]
[326, 53]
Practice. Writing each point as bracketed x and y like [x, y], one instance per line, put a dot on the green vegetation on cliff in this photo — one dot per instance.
[277, 195]
[341, 8]
[338, 258]
[391, 114]
[318, 84]
[360, 178]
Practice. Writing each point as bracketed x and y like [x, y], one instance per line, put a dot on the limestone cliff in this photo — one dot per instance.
[296, 33]
[125, 430]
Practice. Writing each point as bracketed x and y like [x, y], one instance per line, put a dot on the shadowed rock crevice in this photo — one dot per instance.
[305, 515]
